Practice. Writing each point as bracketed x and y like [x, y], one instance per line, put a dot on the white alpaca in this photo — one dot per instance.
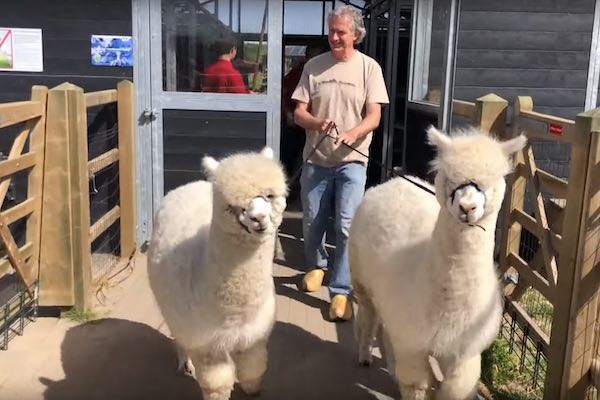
[210, 266]
[422, 267]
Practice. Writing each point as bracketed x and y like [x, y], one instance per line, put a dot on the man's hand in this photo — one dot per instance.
[348, 137]
[325, 126]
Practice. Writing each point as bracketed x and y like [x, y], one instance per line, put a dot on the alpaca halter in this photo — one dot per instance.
[476, 187]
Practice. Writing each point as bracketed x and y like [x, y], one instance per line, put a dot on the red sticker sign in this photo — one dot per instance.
[555, 129]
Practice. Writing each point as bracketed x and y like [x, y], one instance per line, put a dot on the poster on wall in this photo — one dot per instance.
[21, 50]
[112, 51]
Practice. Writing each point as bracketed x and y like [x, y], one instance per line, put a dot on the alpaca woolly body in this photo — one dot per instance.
[429, 277]
[210, 262]
[233, 290]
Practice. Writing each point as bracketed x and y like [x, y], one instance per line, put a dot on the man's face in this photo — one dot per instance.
[341, 34]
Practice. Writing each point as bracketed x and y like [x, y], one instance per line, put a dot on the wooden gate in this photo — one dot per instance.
[28, 118]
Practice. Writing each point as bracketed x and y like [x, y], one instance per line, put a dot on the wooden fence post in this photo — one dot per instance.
[491, 114]
[514, 199]
[127, 174]
[572, 340]
[37, 144]
[65, 270]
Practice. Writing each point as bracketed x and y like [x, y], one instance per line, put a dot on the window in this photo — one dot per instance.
[217, 46]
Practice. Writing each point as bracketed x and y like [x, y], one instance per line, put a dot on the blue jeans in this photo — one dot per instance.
[324, 190]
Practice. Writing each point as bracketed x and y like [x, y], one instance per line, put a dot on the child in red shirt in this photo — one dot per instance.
[222, 76]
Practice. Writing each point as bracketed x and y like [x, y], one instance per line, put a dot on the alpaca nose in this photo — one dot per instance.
[258, 217]
[467, 206]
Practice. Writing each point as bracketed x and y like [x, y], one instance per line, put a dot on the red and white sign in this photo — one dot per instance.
[21, 50]
[555, 129]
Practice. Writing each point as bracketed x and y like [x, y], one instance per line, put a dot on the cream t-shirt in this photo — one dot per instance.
[339, 91]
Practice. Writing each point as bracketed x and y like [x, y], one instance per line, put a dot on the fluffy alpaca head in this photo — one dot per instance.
[249, 192]
[470, 168]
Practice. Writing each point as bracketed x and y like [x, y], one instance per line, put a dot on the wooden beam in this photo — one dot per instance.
[37, 146]
[93, 99]
[572, 338]
[16, 258]
[102, 161]
[491, 114]
[26, 252]
[19, 211]
[465, 109]
[104, 223]
[20, 163]
[541, 219]
[20, 111]
[514, 198]
[80, 196]
[534, 278]
[127, 170]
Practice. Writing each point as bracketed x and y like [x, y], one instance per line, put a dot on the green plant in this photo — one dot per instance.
[500, 373]
[79, 315]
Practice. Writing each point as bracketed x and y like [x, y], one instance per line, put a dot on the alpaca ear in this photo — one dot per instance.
[267, 152]
[513, 145]
[437, 138]
[209, 165]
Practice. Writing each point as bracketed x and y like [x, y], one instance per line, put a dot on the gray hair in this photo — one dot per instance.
[354, 16]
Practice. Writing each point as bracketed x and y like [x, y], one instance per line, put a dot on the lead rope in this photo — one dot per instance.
[391, 172]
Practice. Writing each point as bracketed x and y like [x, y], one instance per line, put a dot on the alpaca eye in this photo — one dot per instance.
[270, 196]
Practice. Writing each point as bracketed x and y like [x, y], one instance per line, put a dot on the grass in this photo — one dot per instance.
[500, 373]
[538, 308]
[79, 315]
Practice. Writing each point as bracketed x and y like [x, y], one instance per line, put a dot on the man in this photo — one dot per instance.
[222, 76]
[345, 87]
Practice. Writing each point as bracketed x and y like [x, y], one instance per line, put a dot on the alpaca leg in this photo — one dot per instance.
[215, 373]
[366, 324]
[387, 352]
[251, 365]
[460, 381]
[412, 374]
[184, 363]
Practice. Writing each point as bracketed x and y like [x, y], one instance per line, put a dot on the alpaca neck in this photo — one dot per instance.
[462, 254]
[248, 251]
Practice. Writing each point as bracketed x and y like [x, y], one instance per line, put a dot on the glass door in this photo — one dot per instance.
[213, 73]
[431, 78]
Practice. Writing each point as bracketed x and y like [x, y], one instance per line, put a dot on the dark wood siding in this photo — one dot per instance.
[190, 135]
[514, 47]
[67, 26]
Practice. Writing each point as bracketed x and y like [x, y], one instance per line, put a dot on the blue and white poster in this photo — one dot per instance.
[112, 51]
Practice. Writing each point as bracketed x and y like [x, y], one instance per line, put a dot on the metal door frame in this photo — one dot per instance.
[151, 98]
[421, 15]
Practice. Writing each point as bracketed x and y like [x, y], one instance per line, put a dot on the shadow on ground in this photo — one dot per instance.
[120, 359]
[302, 366]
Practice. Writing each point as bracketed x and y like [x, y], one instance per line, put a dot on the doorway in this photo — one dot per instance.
[180, 52]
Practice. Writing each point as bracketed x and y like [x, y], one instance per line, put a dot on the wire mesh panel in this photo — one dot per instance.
[103, 129]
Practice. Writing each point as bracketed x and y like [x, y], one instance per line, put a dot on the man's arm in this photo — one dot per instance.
[368, 124]
[305, 119]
